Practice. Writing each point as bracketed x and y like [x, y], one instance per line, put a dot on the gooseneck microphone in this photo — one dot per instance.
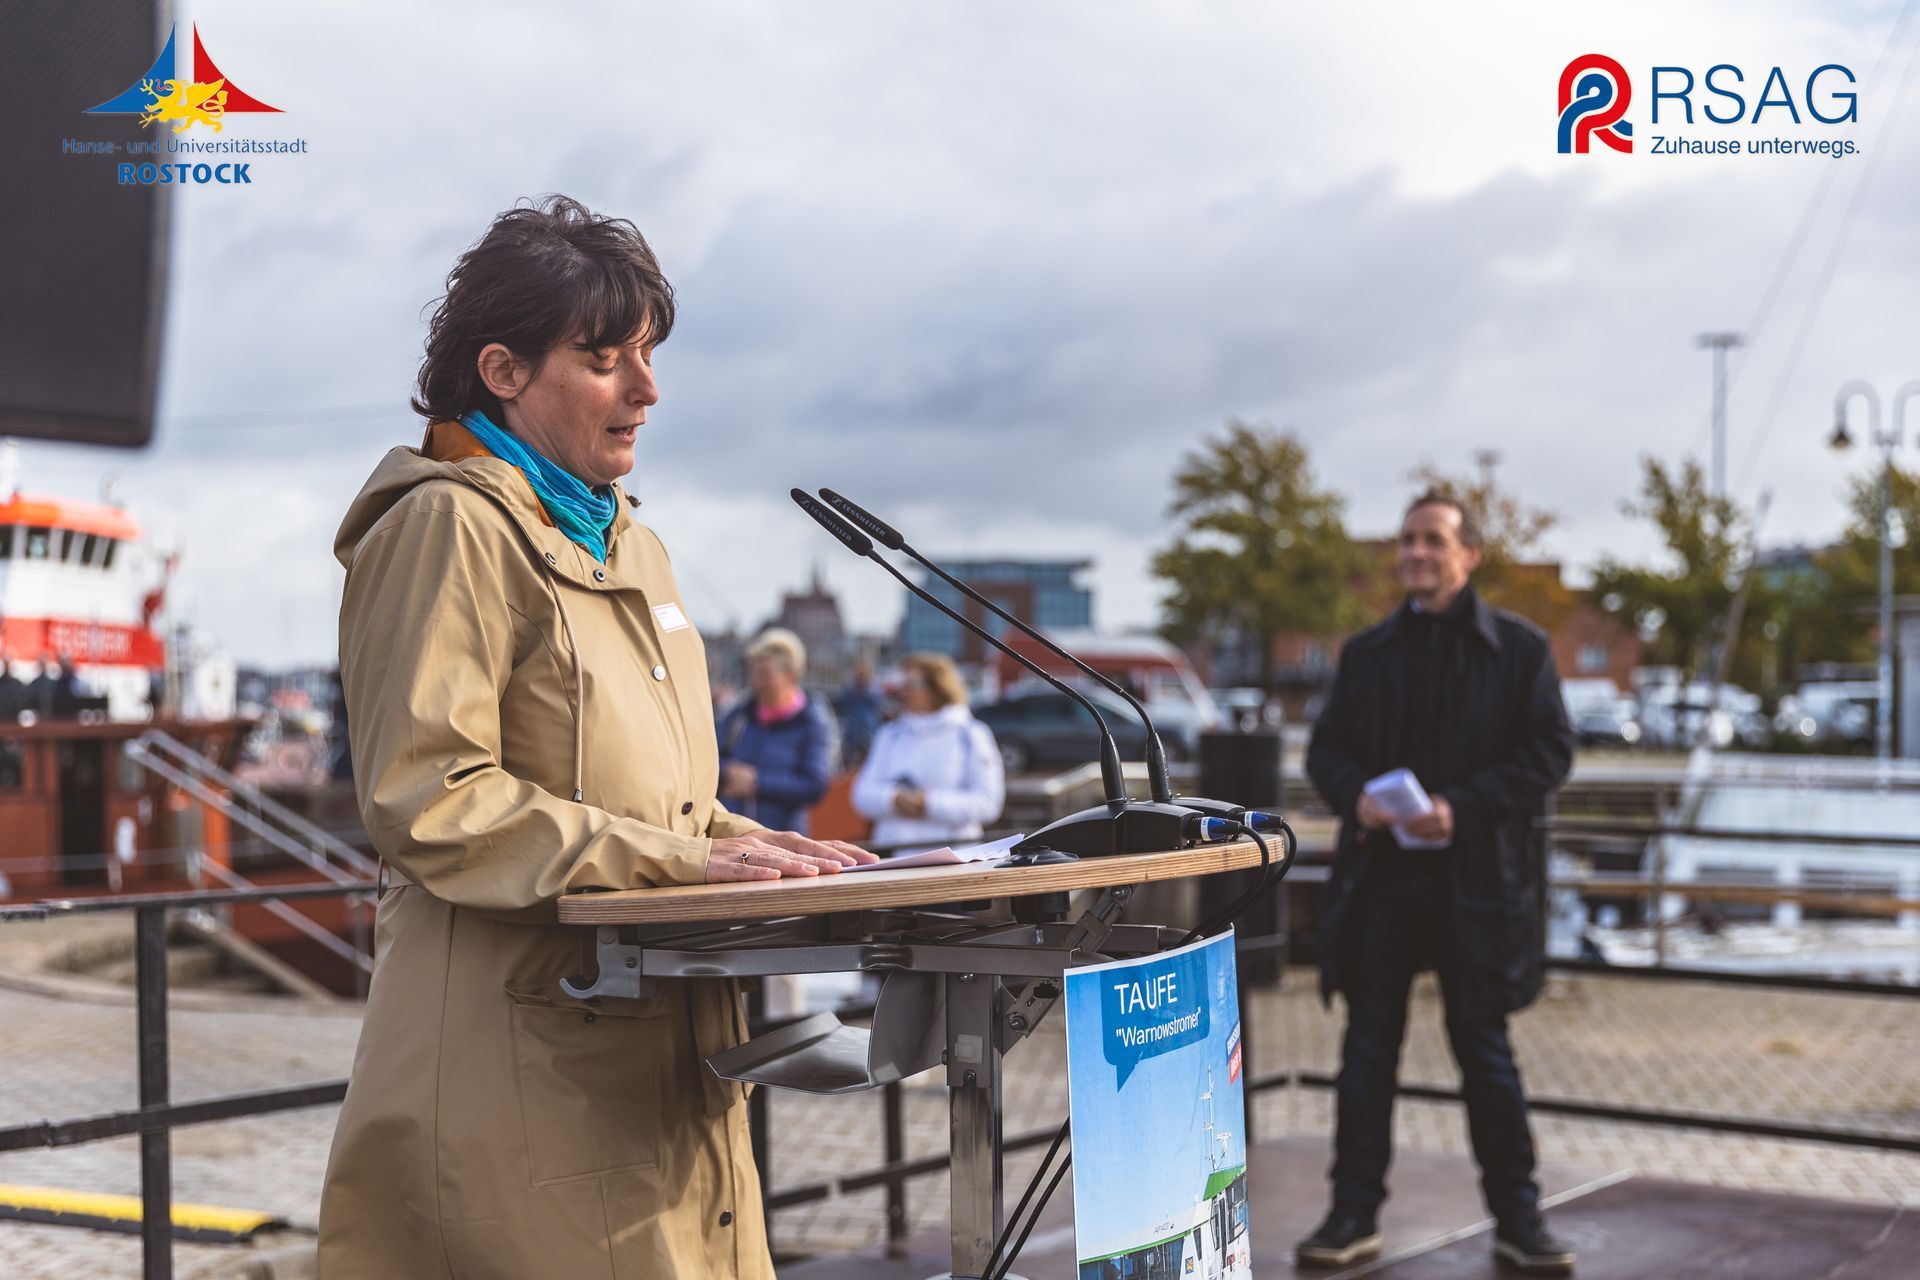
[889, 537]
[1112, 778]
[1120, 825]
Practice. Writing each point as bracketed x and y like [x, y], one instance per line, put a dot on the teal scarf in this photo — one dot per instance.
[584, 514]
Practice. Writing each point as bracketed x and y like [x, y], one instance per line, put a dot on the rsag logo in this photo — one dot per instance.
[1594, 95]
[176, 98]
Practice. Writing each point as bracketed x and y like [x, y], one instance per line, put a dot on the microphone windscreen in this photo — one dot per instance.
[879, 530]
[856, 541]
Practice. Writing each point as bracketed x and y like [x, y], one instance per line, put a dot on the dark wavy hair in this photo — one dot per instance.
[545, 271]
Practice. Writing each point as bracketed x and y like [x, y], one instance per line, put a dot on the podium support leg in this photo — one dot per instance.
[973, 1077]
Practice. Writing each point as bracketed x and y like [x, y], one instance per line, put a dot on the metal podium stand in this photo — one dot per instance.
[959, 989]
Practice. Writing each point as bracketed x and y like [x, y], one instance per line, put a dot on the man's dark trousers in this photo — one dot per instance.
[1402, 923]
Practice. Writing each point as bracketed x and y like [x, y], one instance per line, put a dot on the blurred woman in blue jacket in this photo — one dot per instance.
[777, 747]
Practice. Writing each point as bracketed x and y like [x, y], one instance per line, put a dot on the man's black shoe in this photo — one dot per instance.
[1343, 1238]
[1533, 1250]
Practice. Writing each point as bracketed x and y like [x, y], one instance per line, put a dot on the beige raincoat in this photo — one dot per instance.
[526, 722]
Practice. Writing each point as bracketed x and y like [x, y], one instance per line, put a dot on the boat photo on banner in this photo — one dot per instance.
[1158, 1107]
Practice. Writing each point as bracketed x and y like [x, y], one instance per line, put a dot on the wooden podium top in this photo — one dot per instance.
[909, 887]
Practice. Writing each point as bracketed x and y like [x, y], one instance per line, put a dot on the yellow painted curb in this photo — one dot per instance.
[203, 1222]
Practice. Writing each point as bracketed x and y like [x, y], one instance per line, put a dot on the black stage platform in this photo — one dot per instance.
[1625, 1228]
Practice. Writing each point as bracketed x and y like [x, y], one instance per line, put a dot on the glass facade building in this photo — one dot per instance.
[1043, 593]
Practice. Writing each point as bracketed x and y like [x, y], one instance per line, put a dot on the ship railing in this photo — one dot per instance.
[248, 807]
[246, 804]
[1880, 892]
[355, 953]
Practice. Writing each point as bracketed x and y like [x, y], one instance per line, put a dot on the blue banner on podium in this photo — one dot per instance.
[1158, 1107]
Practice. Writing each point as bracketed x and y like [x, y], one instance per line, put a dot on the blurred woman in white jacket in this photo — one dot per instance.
[933, 776]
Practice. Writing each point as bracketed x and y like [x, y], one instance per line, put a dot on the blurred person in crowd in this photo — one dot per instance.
[13, 701]
[339, 741]
[1468, 699]
[529, 717]
[857, 707]
[778, 745]
[13, 692]
[55, 692]
[934, 775]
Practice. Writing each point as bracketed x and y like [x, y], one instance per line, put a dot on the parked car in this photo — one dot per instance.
[1613, 724]
[1830, 715]
[1042, 727]
[1701, 715]
[1585, 693]
[1158, 673]
[1246, 708]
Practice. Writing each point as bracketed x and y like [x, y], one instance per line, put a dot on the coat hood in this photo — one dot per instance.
[450, 452]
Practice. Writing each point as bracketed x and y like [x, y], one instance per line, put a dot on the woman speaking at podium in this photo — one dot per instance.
[528, 707]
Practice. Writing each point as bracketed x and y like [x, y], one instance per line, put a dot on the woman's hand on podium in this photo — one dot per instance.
[770, 855]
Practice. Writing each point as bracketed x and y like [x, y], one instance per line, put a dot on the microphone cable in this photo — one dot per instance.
[1270, 872]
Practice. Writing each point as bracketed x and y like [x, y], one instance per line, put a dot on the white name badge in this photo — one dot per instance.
[670, 617]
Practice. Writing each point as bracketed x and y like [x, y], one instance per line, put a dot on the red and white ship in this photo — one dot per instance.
[79, 585]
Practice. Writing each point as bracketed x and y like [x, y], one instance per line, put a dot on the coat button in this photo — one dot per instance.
[599, 575]
[726, 1217]
[659, 673]
[687, 807]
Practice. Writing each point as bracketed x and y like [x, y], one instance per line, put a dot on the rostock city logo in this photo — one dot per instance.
[1594, 94]
[164, 96]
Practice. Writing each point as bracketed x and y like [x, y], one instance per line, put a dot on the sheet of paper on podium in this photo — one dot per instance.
[1158, 1102]
[1401, 795]
[942, 857]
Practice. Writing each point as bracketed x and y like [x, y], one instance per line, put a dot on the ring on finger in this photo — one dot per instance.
[746, 855]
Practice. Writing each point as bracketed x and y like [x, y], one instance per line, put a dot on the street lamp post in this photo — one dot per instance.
[1719, 344]
[1887, 441]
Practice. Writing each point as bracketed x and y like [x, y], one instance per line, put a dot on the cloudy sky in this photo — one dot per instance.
[991, 268]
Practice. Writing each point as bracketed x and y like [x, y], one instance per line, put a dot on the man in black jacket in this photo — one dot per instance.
[1466, 698]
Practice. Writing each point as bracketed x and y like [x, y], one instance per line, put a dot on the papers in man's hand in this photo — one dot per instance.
[941, 857]
[1404, 799]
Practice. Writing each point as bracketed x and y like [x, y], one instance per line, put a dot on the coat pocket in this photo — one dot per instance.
[590, 1080]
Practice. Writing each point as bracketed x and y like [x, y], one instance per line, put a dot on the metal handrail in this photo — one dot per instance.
[1655, 830]
[47, 909]
[1607, 884]
[152, 855]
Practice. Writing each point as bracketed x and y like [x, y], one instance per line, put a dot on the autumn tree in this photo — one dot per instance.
[1683, 603]
[1839, 620]
[1258, 550]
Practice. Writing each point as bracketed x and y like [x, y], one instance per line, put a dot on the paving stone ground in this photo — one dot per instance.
[1844, 1062]
[1841, 1061]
